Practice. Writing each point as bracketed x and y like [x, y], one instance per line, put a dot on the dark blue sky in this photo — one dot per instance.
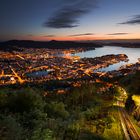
[69, 19]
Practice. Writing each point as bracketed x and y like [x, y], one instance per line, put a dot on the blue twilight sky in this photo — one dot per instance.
[69, 19]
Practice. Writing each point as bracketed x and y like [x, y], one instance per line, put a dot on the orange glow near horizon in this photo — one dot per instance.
[76, 38]
[83, 38]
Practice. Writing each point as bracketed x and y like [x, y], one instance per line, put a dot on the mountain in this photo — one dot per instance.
[12, 44]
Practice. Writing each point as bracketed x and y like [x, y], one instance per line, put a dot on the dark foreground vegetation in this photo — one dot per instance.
[33, 114]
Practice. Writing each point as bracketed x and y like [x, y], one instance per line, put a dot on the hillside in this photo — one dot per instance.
[47, 44]
[132, 85]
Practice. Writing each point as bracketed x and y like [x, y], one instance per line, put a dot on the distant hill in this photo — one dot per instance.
[130, 43]
[125, 44]
[17, 44]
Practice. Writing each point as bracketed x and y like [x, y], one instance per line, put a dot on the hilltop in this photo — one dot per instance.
[16, 44]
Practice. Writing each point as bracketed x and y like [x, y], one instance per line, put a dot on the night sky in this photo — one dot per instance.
[69, 19]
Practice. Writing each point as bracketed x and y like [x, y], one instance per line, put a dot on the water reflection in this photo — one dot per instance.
[37, 74]
[132, 53]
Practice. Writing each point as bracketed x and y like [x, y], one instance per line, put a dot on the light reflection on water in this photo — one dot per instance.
[132, 53]
[37, 74]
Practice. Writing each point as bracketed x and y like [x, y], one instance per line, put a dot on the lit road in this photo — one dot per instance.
[20, 57]
[132, 133]
[128, 127]
[37, 68]
[16, 75]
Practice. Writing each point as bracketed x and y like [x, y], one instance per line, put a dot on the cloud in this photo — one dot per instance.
[118, 34]
[134, 20]
[86, 34]
[49, 36]
[68, 16]
[30, 35]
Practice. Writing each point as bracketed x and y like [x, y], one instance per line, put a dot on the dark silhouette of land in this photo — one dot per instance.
[123, 44]
[18, 44]
[87, 45]
[130, 43]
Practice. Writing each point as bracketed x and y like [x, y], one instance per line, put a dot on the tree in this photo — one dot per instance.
[57, 109]
[10, 129]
